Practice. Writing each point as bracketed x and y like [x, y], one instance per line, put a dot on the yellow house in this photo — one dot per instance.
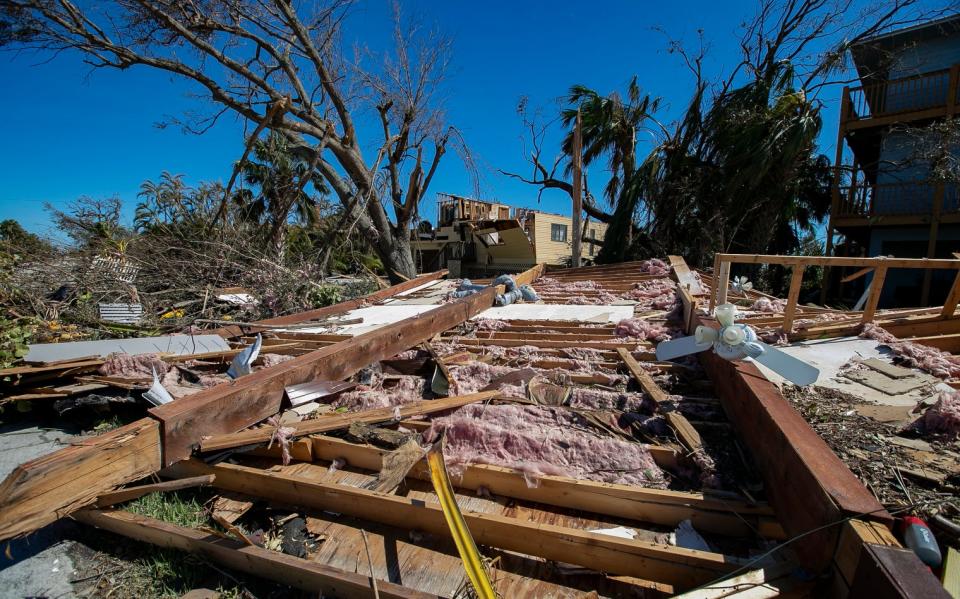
[477, 238]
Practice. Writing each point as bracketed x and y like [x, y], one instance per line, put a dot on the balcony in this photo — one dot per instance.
[930, 95]
[909, 202]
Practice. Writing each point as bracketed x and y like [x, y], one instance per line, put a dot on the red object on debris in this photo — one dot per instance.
[918, 537]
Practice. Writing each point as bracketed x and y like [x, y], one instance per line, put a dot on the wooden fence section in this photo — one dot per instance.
[878, 266]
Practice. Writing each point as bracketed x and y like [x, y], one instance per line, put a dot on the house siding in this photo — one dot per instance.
[559, 252]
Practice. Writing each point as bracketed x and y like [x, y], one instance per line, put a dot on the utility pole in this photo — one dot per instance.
[577, 190]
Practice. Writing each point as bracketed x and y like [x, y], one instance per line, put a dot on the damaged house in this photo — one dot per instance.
[476, 238]
[427, 444]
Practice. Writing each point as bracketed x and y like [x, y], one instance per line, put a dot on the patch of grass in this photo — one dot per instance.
[184, 508]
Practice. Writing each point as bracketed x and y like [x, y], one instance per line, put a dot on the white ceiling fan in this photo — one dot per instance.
[735, 342]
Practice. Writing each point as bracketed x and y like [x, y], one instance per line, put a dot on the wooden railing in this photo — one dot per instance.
[909, 198]
[878, 265]
[937, 89]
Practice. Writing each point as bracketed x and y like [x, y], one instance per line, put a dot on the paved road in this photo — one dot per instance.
[40, 564]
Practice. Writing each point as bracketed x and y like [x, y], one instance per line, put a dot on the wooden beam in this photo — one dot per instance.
[685, 278]
[886, 572]
[856, 275]
[796, 280]
[233, 406]
[337, 421]
[940, 263]
[950, 304]
[663, 507]
[853, 537]
[42, 490]
[272, 565]
[808, 485]
[611, 345]
[131, 493]
[662, 563]
[686, 433]
[876, 289]
[723, 281]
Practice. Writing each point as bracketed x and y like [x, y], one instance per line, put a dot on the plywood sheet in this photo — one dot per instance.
[167, 344]
[572, 312]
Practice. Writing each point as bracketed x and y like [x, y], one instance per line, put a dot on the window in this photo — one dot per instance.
[558, 232]
[593, 235]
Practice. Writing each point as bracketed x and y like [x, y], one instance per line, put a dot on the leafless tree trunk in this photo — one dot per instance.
[256, 58]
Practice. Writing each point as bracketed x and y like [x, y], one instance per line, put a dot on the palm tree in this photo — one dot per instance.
[161, 202]
[609, 130]
[277, 179]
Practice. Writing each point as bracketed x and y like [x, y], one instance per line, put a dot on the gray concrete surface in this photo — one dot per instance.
[37, 565]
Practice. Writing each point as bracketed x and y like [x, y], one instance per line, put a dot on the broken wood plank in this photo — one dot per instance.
[663, 563]
[854, 535]
[793, 296]
[42, 490]
[338, 421]
[876, 288]
[233, 406]
[684, 276]
[686, 433]
[131, 493]
[658, 506]
[891, 572]
[272, 565]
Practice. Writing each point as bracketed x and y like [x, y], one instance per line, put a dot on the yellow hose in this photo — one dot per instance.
[467, 549]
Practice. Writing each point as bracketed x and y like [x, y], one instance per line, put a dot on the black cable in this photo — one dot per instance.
[764, 555]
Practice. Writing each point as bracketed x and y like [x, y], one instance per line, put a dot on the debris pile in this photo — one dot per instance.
[943, 417]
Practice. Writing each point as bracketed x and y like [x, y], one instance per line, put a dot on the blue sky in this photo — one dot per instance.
[70, 132]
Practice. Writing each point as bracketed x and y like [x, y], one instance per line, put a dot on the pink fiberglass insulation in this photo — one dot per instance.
[637, 328]
[269, 360]
[587, 354]
[491, 324]
[654, 266]
[133, 366]
[658, 294]
[410, 354]
[601, 299]
[541, 440]
[474, 376]
[550, 285]
[943, 417]
[394, 391]
[935, 361]
[770, 306]
[598, 399]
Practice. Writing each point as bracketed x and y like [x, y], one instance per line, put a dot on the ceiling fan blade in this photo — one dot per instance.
[684, 346]
[793, 369]
[157, 395]
[243, 362]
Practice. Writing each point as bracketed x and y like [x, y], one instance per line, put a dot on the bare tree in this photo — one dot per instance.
[280, 65]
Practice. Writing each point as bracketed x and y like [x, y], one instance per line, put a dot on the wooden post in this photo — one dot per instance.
[723, 282]
[932, 241]
[716, 278]
[950, 304]
[577, 161]
[796, 279]
[876, 287]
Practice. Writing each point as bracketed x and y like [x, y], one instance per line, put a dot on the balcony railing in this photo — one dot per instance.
[902, 96]
[911, 198]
